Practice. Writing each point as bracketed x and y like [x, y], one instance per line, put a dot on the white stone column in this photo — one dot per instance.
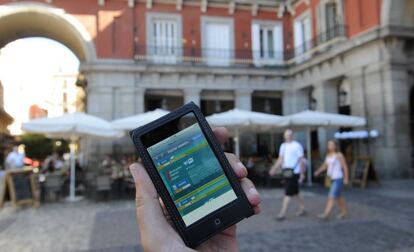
[356, 81]
[326, 101]
[393, 150]
[327, 97]
[192, 95]
[139, 101]
[99, 102]
[243, 99]
[295, 101]
[124, 99]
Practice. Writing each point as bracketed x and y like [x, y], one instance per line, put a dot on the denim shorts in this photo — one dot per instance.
[336, 186]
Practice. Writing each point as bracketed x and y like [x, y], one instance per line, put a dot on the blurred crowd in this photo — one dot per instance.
[112, 176]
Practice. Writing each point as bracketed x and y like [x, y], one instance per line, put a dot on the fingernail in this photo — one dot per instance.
[253, 191]
[240, 165]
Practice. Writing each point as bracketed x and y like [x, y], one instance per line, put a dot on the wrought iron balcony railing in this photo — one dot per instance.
[240, 57]
[207, 56]
[301, 53]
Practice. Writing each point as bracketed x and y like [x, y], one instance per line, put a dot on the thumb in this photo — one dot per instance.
[150, 217]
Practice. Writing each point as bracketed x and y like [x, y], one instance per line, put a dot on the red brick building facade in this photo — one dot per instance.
[119, 29]
[277, 57]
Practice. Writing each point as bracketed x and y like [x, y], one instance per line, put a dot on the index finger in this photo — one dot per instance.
[222, 134]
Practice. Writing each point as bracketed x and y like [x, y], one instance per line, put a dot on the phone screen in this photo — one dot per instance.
[192, 173]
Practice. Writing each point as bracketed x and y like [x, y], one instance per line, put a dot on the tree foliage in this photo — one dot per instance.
[38, 146]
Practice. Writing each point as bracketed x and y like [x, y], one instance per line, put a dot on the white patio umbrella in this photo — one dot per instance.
[238, 120]
[310, 119]
[72, 126]
[317, 118]
[132, 122]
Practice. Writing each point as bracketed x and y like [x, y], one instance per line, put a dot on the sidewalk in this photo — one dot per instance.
[381, 219]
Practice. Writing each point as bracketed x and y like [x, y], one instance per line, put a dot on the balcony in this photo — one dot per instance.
[207, 57]
[318, 44]
[195, 56]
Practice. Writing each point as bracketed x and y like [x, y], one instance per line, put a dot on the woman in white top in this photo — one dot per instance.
[338, 172]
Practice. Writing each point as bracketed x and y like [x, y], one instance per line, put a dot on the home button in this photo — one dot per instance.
[217, 222]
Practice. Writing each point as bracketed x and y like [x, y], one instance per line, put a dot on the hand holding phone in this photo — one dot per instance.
[198, 223]
[153, 225]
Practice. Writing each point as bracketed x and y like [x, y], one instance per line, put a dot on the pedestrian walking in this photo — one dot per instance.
[291, 160]
[337, 170]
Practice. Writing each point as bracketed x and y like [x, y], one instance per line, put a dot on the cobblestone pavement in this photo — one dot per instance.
[381, 219]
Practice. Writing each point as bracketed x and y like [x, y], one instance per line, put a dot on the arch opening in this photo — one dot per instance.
[39, 79]
[19, 21]
[39, 20]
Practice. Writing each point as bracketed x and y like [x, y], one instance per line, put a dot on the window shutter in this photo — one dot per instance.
[256, 44]
[298, 38]
[340, 12]
[158, 35]
[278, 42]
[308, 33]
[319, 15]
[322, 21]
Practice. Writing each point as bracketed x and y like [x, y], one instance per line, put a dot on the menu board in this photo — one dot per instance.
[362, 170]
[21, 187]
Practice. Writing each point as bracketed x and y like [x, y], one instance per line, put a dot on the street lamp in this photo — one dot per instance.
[81, 81]
[313, 103]
[312, 100]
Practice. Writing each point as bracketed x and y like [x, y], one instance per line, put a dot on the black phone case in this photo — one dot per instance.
[244, 208]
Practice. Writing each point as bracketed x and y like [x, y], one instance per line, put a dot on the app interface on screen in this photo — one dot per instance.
[192, 174]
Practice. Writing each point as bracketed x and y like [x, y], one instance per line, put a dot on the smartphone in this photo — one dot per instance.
[191, 173]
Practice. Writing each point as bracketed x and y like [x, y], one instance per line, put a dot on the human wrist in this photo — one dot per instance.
[168, 246]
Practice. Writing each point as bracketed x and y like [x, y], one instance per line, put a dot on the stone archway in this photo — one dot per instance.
[21, 20]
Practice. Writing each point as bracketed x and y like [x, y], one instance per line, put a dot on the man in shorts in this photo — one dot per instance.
[291, 160]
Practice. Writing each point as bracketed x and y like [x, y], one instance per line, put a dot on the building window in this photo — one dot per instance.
[217, 40]
[164, 37]
[303, 34]
[330, 13]
[329, 20]
[267, 43]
